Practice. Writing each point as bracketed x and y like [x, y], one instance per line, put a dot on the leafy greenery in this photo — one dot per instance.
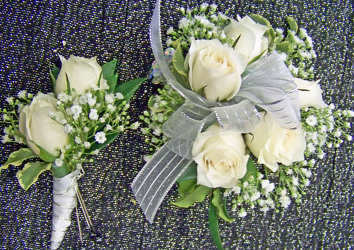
[16, 158]
[30, 172]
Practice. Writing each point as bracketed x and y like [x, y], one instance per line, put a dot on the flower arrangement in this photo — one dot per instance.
[238, 118]
[61, 130]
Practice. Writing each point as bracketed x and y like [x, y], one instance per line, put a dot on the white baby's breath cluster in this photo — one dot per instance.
[10, 117]
[161, 108]
[199, 23]
[325, 128]
[298, 52]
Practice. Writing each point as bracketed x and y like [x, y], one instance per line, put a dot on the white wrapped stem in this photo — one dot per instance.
[64, 201]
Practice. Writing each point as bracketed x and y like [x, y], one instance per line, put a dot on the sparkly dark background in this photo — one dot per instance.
[31, 38]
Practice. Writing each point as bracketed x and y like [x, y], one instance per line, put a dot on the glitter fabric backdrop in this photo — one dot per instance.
[33, 33]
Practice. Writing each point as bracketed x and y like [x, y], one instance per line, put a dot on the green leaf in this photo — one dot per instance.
[68, 87]
[190, 173]
[179, 71]
[260, 19]
[186, 187]
[128, 88]
[60, 172]
[251, 170]
[220, 204]
[54, 75]
[16, 158]
[214, 226]
[112, 82]
[109, 69]
[257, 57]
[283, 47]
[292, 24]
[29, 174]
[197, 195]
[44, 154]
[109, 139]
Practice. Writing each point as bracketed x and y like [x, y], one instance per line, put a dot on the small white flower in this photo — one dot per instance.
[9, 100]
[5, 138]
[87, 144]
[108, 127]
[102, 120]
[111, 108]
[75, 111]
[119, 96]
[265, 209]
[260, 176]
[289, 171]
[236, 190]
[93, 114]
[95, 152]
[349, 137]
[22, 94]
[157, 131]
[68, 128]
[100, 137]
[311, 120]
[242, 213]
[306, 172]
[264, 183]
[82, 99]
[63, 97]
[331, 106]
[311, 148]
[283, 192]
[255, 196]
[306, 182]
[91, 101]
[203, 6]
[337, 133]
[295, 181]
[59, 162]
[213, 6]
[245, 184]
[78, 140]
[135, 125]
[270, 188]
[109, 98]
[170, 31]
[86, 129]
[279, 30]
[285, 201]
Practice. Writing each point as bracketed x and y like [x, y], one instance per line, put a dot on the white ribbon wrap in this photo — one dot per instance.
[64, 201]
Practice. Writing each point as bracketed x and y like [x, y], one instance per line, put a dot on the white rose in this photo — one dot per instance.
[310, 93]
[37, 126]
[271, 143]
[83, 74]
[220, 156]
[214, 68]
[251, 41]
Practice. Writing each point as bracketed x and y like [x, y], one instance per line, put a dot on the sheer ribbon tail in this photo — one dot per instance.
[156, 178]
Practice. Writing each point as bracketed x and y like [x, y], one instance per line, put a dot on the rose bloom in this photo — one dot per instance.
[215, 69]
[251, 41]
[220, 156]
[39, 128]
[310, 93]
[83, 74]
[271, 143]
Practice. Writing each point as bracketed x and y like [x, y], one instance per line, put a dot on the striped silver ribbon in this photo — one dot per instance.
[266, 83]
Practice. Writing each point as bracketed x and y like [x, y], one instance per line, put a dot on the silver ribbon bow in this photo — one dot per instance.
[266, 83]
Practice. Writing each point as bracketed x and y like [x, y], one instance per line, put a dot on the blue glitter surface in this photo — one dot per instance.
[32, 35]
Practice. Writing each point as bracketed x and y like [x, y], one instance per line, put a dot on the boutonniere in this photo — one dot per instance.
[62, 131]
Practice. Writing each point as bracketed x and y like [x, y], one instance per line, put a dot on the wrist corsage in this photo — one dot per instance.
[61, 130]
[239, 118]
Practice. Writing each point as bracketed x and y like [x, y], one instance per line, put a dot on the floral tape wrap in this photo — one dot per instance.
[266, 83]
[64, 201]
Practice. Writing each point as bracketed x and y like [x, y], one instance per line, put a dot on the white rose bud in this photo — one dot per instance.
[251, 41]
[214, 68]
[37, 126]
[83, 74]
[310, 93]
[220, 156]
[271, 143]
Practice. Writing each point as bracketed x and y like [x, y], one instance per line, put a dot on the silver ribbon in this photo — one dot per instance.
[64, 202]
[261, 86]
